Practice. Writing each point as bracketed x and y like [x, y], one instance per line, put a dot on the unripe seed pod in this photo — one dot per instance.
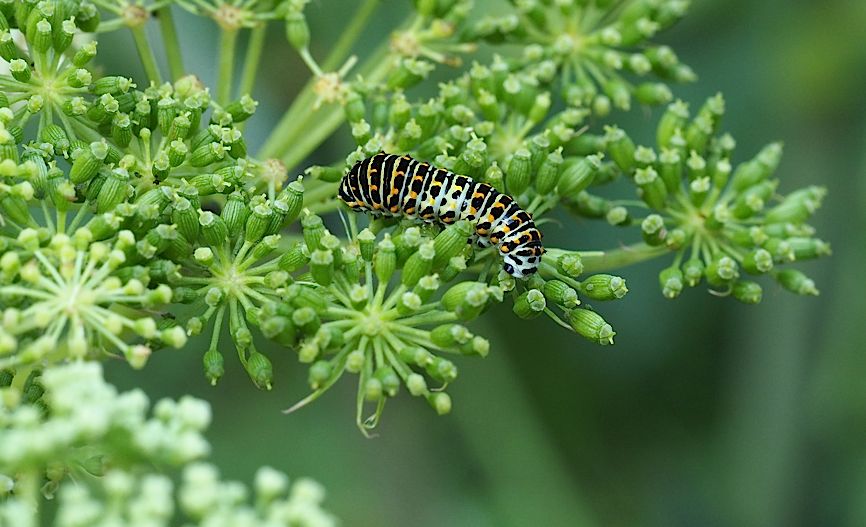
[385, 260]
[747, 292]
[578, 176]
[235, 213]
[560, 293]
[796, 282]
[258, 222]
[529, 304]
[260, 370]
[322, 266]
[294, 258]
[519, 173]
[213, 229]
[450, 242]
[603, 287]
[549, 172]
[214, 366]
[590, 325]
[186, 219]
[419, 264]
[671, 282]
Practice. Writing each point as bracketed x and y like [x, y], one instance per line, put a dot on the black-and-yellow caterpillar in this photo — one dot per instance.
[394, 185]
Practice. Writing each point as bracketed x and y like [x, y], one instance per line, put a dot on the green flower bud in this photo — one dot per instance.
[653, 230]
[758, 261]
[319, 374]
[207, 154]
[366, 243]
[466, 299]
[560, 294]
[260, 370]
[450, 335]
[530, 304]
[373, 390]
[297, 30]
[389, 379]
[693, 271]
[549, 172]
[419, 264]
[121, 129]
[313, 230]
[242, 109]
[354, 107]
[670, 169]
[257, 222]
[416, 384]
[88, 162]
[235, 213]
[603, 287]
[590, 325]
[294, 258]
[796, 282]
[450, 242]
[621, 148]
[426, 287]
[442, 370]
[671, 282]
[408, 73]
[114, 191]
[84, 54]
[63, 35]
[519, 173]
[322, 266]
[797, 207]
[758, 169]
[213, 229]
[579, 175]
[747, 292]
[409, 303]
[722, 271]
[440, 401]
[111, 84]
[20, 70]
[652, 188]
[652, 93]
[385, 260]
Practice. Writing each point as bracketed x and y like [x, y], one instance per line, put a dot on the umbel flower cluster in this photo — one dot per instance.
[135, 216]
[73, 437]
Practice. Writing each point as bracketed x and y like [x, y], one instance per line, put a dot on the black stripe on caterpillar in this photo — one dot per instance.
[394, 185]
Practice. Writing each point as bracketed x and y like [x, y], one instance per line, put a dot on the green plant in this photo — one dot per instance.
[133, 216]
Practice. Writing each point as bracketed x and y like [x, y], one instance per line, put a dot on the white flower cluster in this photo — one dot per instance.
[91, 429]
[87, 414]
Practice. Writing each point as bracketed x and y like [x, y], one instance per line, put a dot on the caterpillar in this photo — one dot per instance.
[395, 185]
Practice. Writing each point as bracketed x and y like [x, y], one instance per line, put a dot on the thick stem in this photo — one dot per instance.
[596, 261]
[171, 42]
[297, 117]
[226, 66]
[145, 52]
[350, 34]
[251, 61]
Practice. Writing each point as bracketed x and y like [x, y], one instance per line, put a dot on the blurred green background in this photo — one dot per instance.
[706, 412]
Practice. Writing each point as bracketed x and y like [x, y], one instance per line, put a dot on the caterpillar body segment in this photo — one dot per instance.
[394, 185]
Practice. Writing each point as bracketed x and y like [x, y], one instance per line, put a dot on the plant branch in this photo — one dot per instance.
[171, 42]
[596, 261]
[145, 52]
[226, 66]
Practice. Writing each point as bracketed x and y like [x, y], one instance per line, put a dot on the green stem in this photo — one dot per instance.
[594, 262]
[253, 57]
[228, 41]
[298, 117]
[350, 35]
[145, 52]
[170, 41]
